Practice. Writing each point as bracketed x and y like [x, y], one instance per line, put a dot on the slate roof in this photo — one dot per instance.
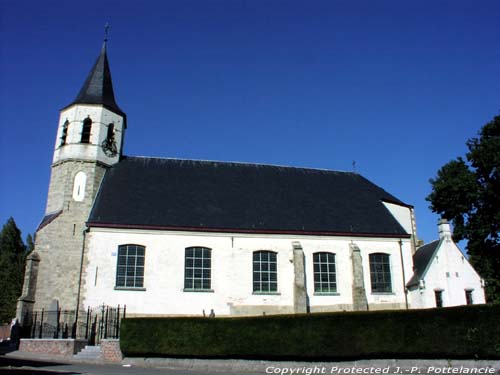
[421, 261]
[98, 87]
[237, 197]
[47, 219]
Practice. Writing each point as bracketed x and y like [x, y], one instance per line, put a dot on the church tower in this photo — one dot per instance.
[89, 140]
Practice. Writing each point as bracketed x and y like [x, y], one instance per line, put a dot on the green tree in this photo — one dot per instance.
[12, 257]
[467, 192]
[30, 244]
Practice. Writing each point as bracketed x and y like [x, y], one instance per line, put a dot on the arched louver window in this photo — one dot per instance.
[64, 133]
[380, 273]
[110, 137]
[87, 127]
[109, 144]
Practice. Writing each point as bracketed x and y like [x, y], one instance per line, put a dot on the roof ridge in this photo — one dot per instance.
[428, 244]
[241, 163]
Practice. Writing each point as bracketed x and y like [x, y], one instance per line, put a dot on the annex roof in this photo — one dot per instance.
[195, 195]
[421, 261]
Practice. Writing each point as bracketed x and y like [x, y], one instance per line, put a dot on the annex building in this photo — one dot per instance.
[189, 237]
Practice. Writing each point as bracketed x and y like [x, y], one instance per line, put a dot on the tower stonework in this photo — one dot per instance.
[89, 140]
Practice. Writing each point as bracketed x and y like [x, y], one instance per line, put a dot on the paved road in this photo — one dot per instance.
[16, 366]
[17, 363]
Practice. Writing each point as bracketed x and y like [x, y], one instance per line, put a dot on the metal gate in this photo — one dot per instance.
[94, 324]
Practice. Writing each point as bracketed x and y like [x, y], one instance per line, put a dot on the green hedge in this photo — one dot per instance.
[456, 332]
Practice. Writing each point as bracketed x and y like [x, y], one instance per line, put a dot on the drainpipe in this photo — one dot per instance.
[85, 230]
[403, 271]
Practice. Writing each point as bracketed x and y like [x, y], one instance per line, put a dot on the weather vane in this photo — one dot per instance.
[106, 31]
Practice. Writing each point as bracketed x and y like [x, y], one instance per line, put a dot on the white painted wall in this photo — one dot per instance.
[100, 117]
[402, 214]
[231, 270]
[451, 272]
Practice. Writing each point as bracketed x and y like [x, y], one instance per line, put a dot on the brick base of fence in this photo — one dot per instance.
[59, 347]
[4, 332]
[110, 349]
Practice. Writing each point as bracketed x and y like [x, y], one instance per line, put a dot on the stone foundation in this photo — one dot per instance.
[59, 347]
[110, 350]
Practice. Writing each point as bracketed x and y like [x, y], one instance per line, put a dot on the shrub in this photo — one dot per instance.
[456, 332]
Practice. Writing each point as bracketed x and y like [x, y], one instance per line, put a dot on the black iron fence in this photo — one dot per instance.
[94, 324]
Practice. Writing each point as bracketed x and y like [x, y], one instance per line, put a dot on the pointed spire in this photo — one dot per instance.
[98, 87]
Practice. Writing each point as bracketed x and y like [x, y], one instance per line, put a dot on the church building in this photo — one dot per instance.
[169, 237]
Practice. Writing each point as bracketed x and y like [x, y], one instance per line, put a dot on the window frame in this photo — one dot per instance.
[136, 268]
[198, 261]
[265, 272]
[380, 269]
[325, 260]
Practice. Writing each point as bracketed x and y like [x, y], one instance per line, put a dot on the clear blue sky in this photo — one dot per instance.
[397, 86]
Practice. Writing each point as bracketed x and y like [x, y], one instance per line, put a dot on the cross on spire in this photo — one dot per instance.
[106, 31]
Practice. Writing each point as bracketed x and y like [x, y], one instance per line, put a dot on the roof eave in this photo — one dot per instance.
[246, 231]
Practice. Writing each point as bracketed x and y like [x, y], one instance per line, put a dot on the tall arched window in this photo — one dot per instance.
[109, 144]
[64, 133]
[86, 128]
[130, 266]
[110, 137]
[198, 269]
[325, 274]
[265, 272]
[380, 273]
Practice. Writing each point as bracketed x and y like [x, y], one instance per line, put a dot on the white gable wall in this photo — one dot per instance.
[231, 274]
[402, 214]
[450, 272]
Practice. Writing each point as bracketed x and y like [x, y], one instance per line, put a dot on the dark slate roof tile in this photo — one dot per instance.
[207, 195]
[98, 87]
[47, 219]
[421, 261]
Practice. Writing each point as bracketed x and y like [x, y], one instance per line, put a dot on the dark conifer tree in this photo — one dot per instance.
[12, 257]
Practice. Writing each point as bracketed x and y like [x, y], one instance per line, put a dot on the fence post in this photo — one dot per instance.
[117, 324]
[73, 328]
[101, 323]
[33, 331]
[87, 327]
[106, 323]
[93, 331]
[58, 324]
[41, 326]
